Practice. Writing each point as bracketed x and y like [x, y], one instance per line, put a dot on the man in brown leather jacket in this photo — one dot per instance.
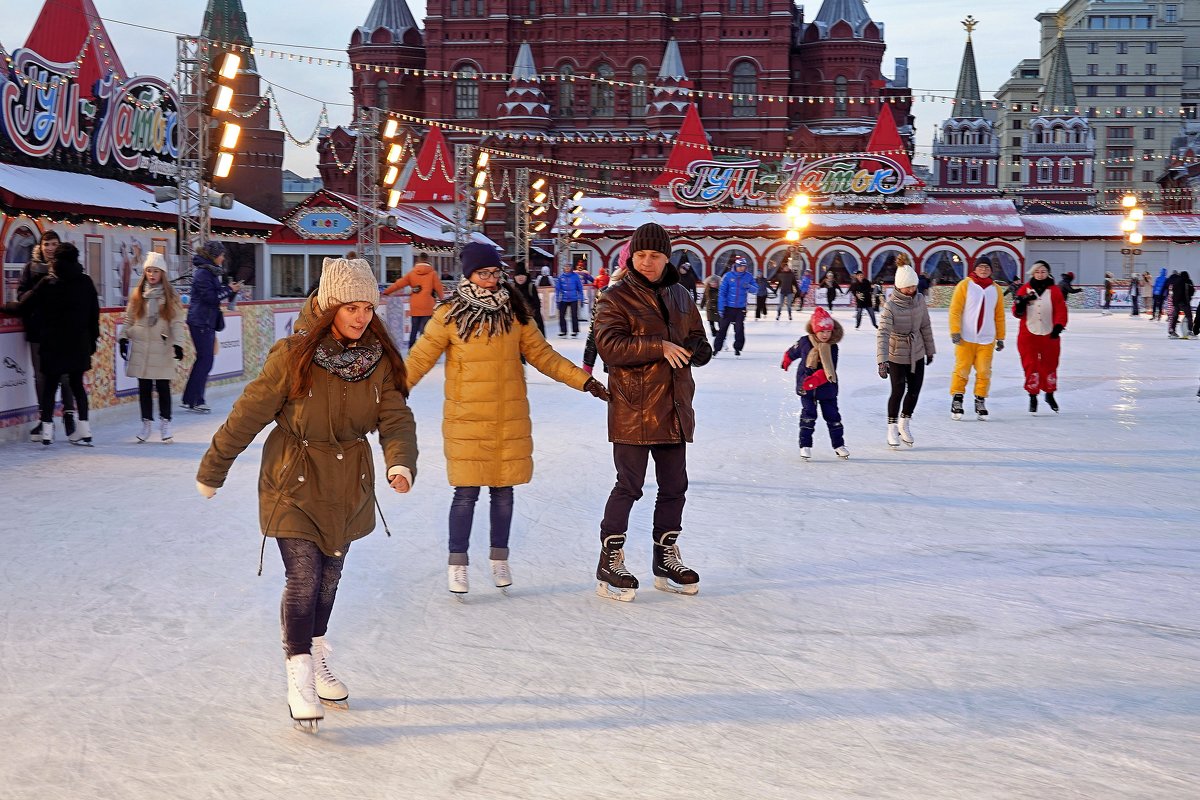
[650, 334]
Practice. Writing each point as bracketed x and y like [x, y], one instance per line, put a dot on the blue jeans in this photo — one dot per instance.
[858, 312]
[462, 512]
[808, 419]
[418, 327]
[202, 338]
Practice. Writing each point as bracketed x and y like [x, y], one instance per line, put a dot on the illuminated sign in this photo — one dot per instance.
[323, 222]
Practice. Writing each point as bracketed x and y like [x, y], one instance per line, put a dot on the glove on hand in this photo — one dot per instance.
[178, 353]
[1056, 331]
[883, 369]
[956, 338]
[596, 389]
[123, 346]
[929, 359]
[999, 345]
[206, 492]
[588, 368]
[417, 289]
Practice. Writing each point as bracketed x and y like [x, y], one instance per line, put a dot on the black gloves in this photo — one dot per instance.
[417, 289]
[929, 359]
[596, 389]
[701, 350]
[999, 345]
[123, 346]
[178, 353]
[1056, 331]
[956, 338]
[883, 369]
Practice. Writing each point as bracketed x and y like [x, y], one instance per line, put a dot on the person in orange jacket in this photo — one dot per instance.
[425, 289]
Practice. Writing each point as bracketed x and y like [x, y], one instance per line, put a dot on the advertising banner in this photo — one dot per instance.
[17, 391]
[227, 363]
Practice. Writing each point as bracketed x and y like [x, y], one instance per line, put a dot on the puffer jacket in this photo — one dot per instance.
[568, 288]
[486, 431]
[152, 347]
[905, 334]
[799, 353]
[651, 400]
[735, 286]
[204, 305]
[317, 474]
[425, 287]
[1160, 283]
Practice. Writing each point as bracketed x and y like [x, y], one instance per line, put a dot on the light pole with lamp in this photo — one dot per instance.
[797, 222]
[1133, 237]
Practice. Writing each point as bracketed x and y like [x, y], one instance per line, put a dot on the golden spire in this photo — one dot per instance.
[970, 23]
[1060, 19]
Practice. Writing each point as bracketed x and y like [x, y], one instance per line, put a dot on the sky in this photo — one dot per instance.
[927, 32]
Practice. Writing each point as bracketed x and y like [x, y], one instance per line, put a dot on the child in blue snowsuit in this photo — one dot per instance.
[818, 353]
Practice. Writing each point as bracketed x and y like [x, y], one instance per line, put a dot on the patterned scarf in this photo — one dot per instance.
[351, 364]
[476, 311]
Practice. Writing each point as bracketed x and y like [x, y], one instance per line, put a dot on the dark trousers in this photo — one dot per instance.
[737, 318]
[760, 308]
[858, 312]
[670, 472]
[48, 391]
[800, 301]
[785, 301]
[146, 390]
[829, 295]
[35, 358]
[202, 339]
[808, 419]
[1185, 310]
[1134, 311]
[308, 595]
[712, 326]
[906, 388]
[417, 327]
[462, 513]
[1156, 307]
[573, 307]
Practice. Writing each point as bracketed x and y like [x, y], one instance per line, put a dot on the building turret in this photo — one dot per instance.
[525, 106]
[966, 152]
[389, 38]
[672, 92]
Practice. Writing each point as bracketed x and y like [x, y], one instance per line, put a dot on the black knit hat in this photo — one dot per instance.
[478, 255]
[650, 236]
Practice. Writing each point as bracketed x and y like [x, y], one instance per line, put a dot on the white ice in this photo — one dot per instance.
[1007, 610]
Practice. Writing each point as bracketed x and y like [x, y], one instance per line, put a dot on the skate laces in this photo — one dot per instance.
[616, 562]
[500, 570]
[306, 689]
[671, 558]
[321, 664]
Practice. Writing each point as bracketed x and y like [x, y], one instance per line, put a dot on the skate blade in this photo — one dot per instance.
[956, 416]
[982, 418]
[665, 585]
[613, 593]
[893, 446]
[909, 443]
[308, 726]
[82, 443]
[340, 705]
[459, 596]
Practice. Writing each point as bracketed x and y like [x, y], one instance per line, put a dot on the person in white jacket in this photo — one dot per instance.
[152, 342]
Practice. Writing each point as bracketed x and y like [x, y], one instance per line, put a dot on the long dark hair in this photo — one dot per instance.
[66, 261]
[302, 347]
[520, 302]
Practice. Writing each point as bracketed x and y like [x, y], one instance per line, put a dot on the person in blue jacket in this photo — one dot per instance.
[1159, 294]
[568, 291]
[802, 291]
[816, 381]
[736, 286]
[204, 318]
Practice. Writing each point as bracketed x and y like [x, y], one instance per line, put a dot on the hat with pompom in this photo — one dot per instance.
[821, 321]
[905, 276]
[346, 280]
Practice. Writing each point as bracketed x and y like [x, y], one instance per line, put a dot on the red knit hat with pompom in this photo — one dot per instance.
[821, 321]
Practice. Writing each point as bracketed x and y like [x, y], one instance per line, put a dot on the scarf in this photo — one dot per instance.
[153, 296]
[821, 357]
[1042, 285]
[351, 364]
[476, 311]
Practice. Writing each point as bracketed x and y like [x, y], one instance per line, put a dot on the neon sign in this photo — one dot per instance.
[42, 114]
[715, 182]
[138, 125]
[870, 178]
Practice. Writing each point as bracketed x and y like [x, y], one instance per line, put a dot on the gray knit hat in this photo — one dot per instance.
[346, 280]
[650, 236]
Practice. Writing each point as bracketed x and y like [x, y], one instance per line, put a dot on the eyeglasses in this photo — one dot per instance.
[488, 273]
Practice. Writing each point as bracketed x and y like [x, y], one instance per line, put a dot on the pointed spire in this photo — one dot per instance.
[691, 144]
[525, 104]
[59, 33]
[431, 181]
[672, 92]
[1058, 93]
[393, 16]
[852, 12]
[225, 21]
[969, 102]
[672, 63]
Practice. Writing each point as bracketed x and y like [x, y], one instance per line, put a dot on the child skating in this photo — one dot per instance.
[816, 381]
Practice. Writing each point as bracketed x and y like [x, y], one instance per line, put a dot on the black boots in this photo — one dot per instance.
[613, 580]
[670, 573]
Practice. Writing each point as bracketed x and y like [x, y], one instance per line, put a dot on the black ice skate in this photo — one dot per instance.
[956, 407]
[1050, 401]
[613, 580]
[1033, 404]
[670, 573]
[980, 408]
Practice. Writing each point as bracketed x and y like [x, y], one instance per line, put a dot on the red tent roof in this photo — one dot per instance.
[691, 144]
[433, 179]
[59, 33]
[885, 140]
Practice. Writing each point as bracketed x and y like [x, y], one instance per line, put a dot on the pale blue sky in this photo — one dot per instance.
[928, 32]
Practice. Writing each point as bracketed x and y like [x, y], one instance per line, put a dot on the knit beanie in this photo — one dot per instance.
[478, 255]
[154, 261]
[650, 236]
[212, 250]
[346, 280]
[906, 276]
[821, 321]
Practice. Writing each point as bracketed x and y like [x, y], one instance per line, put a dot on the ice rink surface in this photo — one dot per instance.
[1007, 610]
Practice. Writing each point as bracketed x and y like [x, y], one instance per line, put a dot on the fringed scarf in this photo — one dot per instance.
[351, 364]
[153, 295]
[821, 356]
[475, 311]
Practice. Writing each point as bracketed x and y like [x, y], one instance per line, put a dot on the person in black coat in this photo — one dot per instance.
[864, 298]
[37, 268]
[205, 319]
[1067, 285]
[66, 311]
[1181, 291]
[687, 276]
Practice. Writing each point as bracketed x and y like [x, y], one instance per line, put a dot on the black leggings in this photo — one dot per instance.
[146, 390]
[48, 391]
[312, 581]
[906, 383]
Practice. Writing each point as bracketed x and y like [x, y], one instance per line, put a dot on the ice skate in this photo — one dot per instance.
[46, 435]
[670, 573]
[905, 431]
[35, 433]
[893, 435]
[1033, 404]
[69, 422]
[167, 436]
[144, 434]
[981, 408]
[501, 574]
[613, 580]
[842, 452]
[956, 407]
[302, 701]
[806, 453]
[1050, 401]
[199, 408]
[456, 579]
[330, 691]
[82, 435]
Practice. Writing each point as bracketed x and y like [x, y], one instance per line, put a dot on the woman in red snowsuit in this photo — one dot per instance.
[1042, 310]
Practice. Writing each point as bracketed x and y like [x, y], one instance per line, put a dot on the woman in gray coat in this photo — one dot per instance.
[903, 346]
[152, 342]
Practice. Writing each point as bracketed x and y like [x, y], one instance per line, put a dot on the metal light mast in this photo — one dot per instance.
[192, 57]
[367, 166]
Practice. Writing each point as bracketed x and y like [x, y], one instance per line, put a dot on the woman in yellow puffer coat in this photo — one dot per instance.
[484, 330]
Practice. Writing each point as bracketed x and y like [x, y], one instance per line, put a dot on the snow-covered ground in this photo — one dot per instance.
[1007, 610]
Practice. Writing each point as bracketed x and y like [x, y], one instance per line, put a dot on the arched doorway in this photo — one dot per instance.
[724, 260]
[1005, 268]
[944, 268]
[843, 264]
[883, 264]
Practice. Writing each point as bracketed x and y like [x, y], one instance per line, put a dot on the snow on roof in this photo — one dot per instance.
[422, 222]
[1108, 226]
[73, 189]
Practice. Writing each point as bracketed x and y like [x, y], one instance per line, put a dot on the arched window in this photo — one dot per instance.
[840, 93]
[466, 93]
[381, 95]
[603, 104]
[566, 91]
[637, 94]
[745, 87]
[1066, 171]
